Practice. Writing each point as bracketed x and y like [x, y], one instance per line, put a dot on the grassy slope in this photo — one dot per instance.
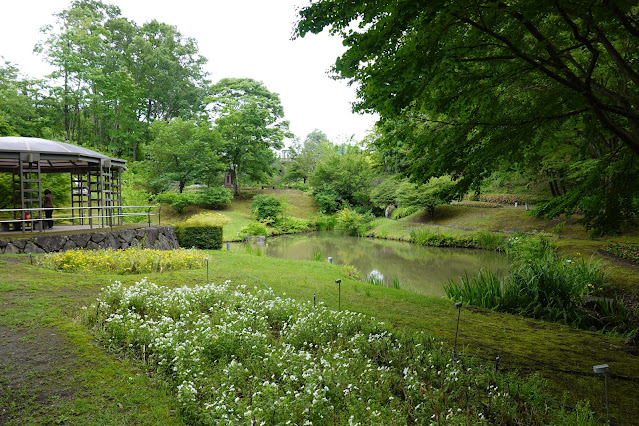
[297, 205]
[35, 299]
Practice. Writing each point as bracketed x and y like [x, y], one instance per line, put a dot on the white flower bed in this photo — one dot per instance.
[233, 356]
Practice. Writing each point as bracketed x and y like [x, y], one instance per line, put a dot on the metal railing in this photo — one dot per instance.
[98, 217]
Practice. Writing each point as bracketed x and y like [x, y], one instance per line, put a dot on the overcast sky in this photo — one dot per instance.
[240, 38]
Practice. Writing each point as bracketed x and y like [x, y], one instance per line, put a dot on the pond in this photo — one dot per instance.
[425, 269]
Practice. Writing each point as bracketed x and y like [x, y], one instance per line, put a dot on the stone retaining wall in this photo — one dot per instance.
[162, 238]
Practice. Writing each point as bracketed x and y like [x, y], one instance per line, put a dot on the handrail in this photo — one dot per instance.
[107, 210]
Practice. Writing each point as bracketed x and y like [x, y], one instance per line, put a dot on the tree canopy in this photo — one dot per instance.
[467, 86]
[305, 156]
[114, 78]
[249, 119]
[182, 151]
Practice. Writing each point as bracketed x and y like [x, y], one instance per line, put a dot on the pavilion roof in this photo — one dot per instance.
[54, 157]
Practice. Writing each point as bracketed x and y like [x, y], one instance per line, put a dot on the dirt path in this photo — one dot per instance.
[32, 364]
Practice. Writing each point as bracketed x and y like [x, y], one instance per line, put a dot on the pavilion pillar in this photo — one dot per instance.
[30, 186]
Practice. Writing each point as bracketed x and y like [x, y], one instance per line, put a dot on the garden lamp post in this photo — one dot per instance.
[207, 269]
[458, 306]
[339, 294]
[604, 369]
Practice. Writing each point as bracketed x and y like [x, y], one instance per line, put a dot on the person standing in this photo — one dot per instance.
[48, 205]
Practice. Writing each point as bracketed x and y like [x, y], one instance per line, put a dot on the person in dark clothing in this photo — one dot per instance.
[48, 205]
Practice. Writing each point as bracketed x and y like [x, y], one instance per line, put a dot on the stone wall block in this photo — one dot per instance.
[32, 248]
[3, 243]
[98, 237]
[20, 244]
[151, 236]
[162, 243]
[51, 243]
[11, 249]
[80, 240]
[126, 236]
[110, 242]
[92, 246]
[69, 245]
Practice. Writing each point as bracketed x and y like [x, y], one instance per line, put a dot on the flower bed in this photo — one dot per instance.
[508, 199]
[484, 205]
[236, 357]
[132, 260]
[623, 250]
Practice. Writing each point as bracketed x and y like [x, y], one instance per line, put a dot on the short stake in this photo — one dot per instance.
[458, 306]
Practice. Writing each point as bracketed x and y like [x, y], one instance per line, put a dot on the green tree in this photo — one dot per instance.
[183, 152]
[249, 119]
[26, 108]
[117, 78]
[306, 156]
[468, 86]
[349, 175]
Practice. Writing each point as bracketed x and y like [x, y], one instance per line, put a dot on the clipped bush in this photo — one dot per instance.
[215, 197]
[266, 207]
[201, 237]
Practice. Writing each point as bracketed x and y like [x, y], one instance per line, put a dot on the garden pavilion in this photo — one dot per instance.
[95, 184]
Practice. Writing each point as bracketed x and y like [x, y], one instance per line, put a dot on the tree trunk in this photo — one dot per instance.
[551, 182]
[236, 181]
[67, 121]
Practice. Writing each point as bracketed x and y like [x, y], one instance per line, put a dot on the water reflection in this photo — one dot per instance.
[422, 268]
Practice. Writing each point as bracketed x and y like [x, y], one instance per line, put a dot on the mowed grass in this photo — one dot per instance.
[108, 390]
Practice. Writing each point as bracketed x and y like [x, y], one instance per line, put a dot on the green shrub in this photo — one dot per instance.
[558, 228]
[179, 201]
[254, 228]
[353, 223]
[266, 207]
[215, 197]
[490, 240]
[291, 225]
[541, 285]
[327, 200]
[325, 222]
[201, 237]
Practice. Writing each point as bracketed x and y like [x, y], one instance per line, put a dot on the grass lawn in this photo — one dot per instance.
[51, 371]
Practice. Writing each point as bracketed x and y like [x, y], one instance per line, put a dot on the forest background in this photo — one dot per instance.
[541, 97]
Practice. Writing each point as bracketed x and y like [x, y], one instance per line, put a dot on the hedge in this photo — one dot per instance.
[201, 237]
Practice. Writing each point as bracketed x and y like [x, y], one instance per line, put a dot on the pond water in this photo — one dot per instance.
[424, 269]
